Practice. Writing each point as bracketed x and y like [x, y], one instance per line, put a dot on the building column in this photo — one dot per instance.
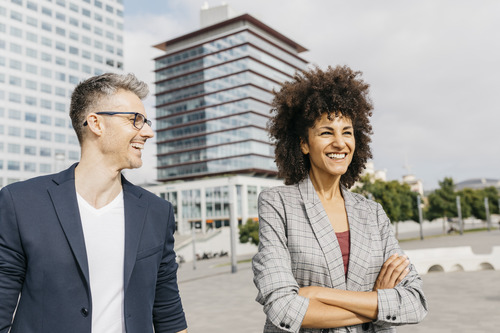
[181, 227]
[244, 203]
[203, 203]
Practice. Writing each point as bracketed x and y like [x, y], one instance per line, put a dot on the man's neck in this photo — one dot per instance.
[97, 183]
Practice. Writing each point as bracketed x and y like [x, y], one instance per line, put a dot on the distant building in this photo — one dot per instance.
[46, 48]
[478, 183]
[213, 94]
[414, 183]
[213, 98]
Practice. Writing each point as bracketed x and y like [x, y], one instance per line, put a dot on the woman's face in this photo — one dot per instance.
[330, 145]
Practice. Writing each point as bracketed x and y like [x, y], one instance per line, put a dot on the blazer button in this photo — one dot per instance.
[84, 312]
[324, 330]
[365, 326]
[388, 317]
[282, 324]
[394, 318]
[287, 326]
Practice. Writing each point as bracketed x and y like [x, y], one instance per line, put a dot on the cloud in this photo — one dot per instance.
[432, 65]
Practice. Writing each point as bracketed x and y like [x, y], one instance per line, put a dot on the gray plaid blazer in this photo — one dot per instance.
[298, 248]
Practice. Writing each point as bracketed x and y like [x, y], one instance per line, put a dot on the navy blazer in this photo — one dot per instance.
[43, 260]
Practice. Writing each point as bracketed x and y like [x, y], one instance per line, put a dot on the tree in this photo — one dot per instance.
[398, 201]
[249, 232]
[442, 202]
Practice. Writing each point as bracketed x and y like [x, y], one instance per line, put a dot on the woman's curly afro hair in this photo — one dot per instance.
[302, 101]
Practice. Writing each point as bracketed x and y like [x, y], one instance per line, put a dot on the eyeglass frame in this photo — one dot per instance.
[112, 113]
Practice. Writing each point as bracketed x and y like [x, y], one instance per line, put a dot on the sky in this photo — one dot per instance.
[433, 69]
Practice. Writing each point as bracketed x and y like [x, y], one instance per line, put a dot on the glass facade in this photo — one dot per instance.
[46, 48]
[213, 94]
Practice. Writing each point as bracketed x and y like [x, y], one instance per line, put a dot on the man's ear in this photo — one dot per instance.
[95, 124]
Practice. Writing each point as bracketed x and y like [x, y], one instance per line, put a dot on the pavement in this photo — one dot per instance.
[216, 300]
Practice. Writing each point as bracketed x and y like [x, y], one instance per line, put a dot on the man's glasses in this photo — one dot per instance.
[139, 119]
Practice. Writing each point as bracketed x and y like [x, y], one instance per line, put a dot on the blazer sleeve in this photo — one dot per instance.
[12, 260]
[168, 314]
[405, 303]
[277, 287]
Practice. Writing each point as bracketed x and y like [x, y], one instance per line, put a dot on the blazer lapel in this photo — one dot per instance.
[359, 257]
[324, 233]
[63, 197]
[135, 215]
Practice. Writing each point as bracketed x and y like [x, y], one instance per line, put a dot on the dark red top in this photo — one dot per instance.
[344, 242]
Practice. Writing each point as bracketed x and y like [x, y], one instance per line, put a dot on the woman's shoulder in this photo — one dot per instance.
[284, 192]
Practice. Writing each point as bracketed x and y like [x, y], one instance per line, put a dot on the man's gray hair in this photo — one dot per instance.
[89, 93]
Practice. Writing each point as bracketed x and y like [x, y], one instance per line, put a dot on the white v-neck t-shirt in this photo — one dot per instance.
[104, 232]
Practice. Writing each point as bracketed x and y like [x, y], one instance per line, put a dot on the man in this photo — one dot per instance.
[85, 250]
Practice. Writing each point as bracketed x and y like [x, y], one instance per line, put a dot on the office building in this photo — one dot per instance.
[213, 98]
[46, 48]
[213, 94]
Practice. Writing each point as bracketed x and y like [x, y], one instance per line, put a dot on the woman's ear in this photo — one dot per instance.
[304, 147]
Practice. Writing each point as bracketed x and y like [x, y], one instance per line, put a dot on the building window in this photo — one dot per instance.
[14, 131]
[16, 16]
[60, 46]
[15, 81]
[29, 133]
[60, 92]
[46, 57]
[45, 152]
[31, 5]
[46, 120]
[110, 9]
[58, 137]
[31, 117]
[74, 22]
[32, 37]
[98, 3]
[46, 88]
[47, 11]
[73, 7]
[30, 150]
[74, 65]
[45, 168]
[14, 114]
[31, 69]
[60, 61]
[16, 32]
[60, 122]
[15, 64]
[13, 165]
[60, 107]
[46, 72]
[29, 166]
[32, 53]
[47, 41]
[15, 97]
[47, 26]
[73, 50]
[14, 148]
[30, 100]
[74, 36]
[85, 12]
[86, 26]
[61, 76]
[60, 31]
[45, 136]
[46, 104]
[61, 3]
[61, 17]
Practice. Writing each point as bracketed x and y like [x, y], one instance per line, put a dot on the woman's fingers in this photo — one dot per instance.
[392, 272]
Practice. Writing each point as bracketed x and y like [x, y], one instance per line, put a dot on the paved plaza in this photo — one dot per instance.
[215, 300]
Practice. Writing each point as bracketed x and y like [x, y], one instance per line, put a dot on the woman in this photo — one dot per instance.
[327, 257]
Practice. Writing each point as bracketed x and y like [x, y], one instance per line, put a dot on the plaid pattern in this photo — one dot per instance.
[298, 247]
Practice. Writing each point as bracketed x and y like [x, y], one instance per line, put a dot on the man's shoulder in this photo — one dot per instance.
[32, 184]
[150, 196]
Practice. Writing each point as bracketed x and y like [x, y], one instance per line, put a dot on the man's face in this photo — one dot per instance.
[122, 143]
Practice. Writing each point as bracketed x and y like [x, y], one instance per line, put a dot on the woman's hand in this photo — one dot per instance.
[393, 271]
